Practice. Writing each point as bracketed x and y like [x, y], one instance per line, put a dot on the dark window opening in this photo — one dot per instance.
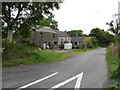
[53, 35]
[55, 42]
[41, 34]
[75, 43]
[49, 43]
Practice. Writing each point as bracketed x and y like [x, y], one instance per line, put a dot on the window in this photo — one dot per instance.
[53, 35]
[49, 43]
[55, 42]
[41, 34]
[75, 43]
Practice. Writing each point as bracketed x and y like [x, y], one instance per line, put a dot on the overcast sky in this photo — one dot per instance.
[85, 14]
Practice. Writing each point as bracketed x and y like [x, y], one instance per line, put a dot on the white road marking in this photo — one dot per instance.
[32, 83]
[78, 82]
[79, 76]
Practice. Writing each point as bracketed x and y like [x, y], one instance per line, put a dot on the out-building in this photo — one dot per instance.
[64, 40]
[77, 42]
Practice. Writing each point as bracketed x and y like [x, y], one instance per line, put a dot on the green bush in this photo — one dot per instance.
[94, 41]
[89, 44]
[16, 51]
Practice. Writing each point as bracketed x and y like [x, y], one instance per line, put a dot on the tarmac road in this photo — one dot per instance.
[85, 70]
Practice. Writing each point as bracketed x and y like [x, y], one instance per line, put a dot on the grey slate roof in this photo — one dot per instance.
[77, 39]
[45, 29]
[62, 34]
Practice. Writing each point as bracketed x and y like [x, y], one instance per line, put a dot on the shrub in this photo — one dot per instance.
[16, 51]
[89, 44]
[94, 41]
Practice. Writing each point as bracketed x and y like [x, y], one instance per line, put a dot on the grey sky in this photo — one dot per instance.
[85, 14]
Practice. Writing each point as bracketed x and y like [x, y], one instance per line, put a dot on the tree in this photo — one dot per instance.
[99, 34]
[103, 37]
[85, 35]
[50, 23]
[75, 33]
[15, 14]
[94, 41]
[113, 25]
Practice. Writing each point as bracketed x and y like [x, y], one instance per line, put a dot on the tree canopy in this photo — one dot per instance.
[75, 33]
[103, 37]
[113, 25]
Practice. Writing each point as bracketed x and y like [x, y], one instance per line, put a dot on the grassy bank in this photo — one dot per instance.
[17, 55]
[113, 64]
[113, 61]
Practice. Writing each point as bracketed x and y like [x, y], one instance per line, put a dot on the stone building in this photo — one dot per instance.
[46, 38]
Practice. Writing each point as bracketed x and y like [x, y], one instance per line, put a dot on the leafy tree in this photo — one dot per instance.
[85, 35]
[103, 37]
[108, 38]
[99, 34]
[94, 41]
[75, 33]
[113, 25]
[50, 23]
[25, 31]
[16, 14]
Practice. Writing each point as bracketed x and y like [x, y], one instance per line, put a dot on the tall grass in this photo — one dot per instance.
[114, 64]
[113, 60]
[35, 57]
[24, 54]
[17, 54]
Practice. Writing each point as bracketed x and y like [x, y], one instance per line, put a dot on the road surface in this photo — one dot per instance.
[85, 70]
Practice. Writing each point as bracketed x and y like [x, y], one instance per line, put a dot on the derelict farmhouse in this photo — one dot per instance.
[47, 38]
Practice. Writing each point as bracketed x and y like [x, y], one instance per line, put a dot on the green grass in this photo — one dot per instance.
[36, 57]
[113, 65]
[21, 54]
[113, 61]
[115, 86]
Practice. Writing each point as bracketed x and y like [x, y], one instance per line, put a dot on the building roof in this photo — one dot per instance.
[45, 29]
[77, 39]
[62, 34]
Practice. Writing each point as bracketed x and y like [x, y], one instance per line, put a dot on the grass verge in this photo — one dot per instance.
[115, 86]
[113, 64]
[30, 55]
